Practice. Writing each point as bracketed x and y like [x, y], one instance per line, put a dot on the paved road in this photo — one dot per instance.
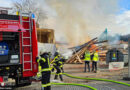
[98, 85]
[109, 86]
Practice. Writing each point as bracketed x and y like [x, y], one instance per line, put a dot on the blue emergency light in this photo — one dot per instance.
[33, 15]
[4, 49]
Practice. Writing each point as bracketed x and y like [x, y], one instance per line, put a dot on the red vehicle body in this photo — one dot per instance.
[18, 33]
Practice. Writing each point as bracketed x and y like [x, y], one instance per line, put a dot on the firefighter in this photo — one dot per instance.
[94, 61]
[87, 58]
[62, 60]
[44, 64]
[57, 65]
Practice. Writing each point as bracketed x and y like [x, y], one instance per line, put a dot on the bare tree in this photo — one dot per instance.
[30, 6]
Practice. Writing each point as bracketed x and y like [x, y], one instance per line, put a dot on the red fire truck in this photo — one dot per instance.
[18, 47]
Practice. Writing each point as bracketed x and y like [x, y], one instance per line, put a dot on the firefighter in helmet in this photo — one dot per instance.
[62, 60]
[44, 64]
[57, 64]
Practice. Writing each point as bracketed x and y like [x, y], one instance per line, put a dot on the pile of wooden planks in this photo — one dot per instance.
[76, 58]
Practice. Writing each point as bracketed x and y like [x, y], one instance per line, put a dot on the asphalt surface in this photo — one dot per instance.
[77, 70]
[97, 84]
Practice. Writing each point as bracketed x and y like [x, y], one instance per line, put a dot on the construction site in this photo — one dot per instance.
[64, 45]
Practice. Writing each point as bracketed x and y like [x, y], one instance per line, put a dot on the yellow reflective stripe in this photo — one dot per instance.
[46, 69]
[48, 62]
[54, 64]
[44, 60]
[61, 66]
[45, 85]
[39, 68]
[60, 62]
[58, 73]
[38, 60]
[41, 59]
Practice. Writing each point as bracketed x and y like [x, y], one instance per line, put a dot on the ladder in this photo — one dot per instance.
[28, 40]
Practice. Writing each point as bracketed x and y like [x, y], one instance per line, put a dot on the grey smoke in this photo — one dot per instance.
[79, 20]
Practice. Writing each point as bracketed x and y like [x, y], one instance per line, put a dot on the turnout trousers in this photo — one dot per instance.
[58, 73]
[46, 80]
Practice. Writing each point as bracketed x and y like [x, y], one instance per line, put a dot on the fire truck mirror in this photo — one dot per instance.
[3, 11]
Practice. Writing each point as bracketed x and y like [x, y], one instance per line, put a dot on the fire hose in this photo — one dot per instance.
[97, 79]
[87, 86]
[75, 84]
[92, 88]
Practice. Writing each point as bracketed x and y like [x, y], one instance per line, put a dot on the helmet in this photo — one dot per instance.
[41, 51]
[56, 54]
[97, 50]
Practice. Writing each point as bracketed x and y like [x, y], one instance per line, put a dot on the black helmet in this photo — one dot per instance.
[56, 54]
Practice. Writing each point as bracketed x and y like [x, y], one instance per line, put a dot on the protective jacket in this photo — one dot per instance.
[57, 61]
[95, 57]
[44, 63]
[87, 56]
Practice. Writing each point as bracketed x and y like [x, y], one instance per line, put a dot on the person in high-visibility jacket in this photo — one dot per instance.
[44, 66]
[57, 64]
[87, 58]
[94, 61]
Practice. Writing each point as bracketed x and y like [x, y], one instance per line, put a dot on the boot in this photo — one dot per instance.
[56, 77]
[61, 78]
[42, 88]
[48, 88]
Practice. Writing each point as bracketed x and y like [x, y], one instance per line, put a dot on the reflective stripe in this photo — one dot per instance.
[38, 60]
[44, 60]
[54, 64]
[60, 62]
[41, 59]
[46, 69]
[58, 73]
[45, 85]
[39, 68]
[48, 62]
[61, 66]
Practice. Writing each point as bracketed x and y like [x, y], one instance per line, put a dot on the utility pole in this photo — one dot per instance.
[129, 59]
[128, 78]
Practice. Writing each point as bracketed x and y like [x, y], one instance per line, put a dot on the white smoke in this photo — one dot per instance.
[75, 20]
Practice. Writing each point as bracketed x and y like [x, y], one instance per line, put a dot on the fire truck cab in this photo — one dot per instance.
[18, 47]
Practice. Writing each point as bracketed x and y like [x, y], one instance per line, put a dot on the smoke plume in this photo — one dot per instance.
[75, 21]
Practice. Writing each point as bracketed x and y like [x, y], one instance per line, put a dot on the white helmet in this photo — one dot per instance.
[41, 51]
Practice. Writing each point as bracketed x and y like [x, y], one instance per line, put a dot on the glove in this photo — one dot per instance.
[52, 70]
[39, 74]
[37, 58]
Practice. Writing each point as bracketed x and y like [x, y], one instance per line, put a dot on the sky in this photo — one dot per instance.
[73, 20]
[124, 5]
[5, 3]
